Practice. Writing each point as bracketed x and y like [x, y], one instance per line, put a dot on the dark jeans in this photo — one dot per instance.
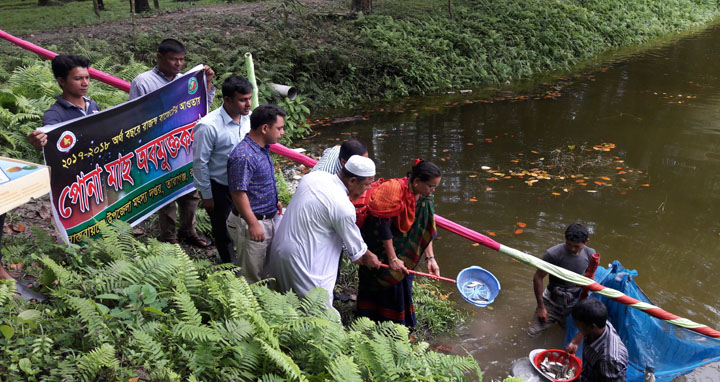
[218, 218]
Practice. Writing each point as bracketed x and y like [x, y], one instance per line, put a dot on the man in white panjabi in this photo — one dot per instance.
[319, 219]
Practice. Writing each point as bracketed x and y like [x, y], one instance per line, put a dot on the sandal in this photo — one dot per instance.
[197, 241]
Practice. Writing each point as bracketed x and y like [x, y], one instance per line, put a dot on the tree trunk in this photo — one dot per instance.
[156, 3]
[43, 3]
[450, 10]
[141, 6]
[101, 5]
[364, 6]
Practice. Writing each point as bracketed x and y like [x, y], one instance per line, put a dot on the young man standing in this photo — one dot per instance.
[170, 61]
[251, 180]
[71, 73]
[216, 135]
[604, 355]
[555, 302]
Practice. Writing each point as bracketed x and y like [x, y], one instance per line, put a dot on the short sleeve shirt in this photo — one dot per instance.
[560, 256]
[251, 169]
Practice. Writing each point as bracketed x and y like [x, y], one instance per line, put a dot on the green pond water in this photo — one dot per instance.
[652, 201]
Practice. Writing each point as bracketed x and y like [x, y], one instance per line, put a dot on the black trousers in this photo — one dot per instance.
[223, 205]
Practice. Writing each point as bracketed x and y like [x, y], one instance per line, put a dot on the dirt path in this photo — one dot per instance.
[231, 18]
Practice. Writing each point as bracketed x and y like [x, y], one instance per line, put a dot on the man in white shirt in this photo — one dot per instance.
[319, 219]
[215, 137]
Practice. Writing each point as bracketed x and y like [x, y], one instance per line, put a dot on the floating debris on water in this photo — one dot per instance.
[476, 291]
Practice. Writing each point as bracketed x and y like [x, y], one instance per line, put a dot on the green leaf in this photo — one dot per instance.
[148, 294]
[30, 315]
[102, 308]
[7, 331]
[108, 296]
[26, 366]
[153, 310]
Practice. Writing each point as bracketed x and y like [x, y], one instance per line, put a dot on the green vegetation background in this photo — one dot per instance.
[133, 317]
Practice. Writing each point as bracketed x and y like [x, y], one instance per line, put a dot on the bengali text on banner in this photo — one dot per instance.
[126, 162]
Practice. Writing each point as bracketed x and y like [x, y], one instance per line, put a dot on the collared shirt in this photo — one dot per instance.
[306, 246]
[330, 161]
[216, 135]
[605, 359]
[154, 79]
[62, 110]
[251, 169]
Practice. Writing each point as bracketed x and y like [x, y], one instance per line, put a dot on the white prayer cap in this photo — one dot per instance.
[360, 166]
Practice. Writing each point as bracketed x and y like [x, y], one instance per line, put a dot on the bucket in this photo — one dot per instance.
[471, 283]
[557, 355]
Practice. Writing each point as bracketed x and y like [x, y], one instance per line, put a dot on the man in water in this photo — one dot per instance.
[555, 302]
[604, 356]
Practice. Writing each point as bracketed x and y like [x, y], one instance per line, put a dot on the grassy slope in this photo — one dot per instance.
[403, 48]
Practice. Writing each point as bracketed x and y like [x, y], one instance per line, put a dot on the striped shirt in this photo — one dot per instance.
[605, 359]
[330, 161]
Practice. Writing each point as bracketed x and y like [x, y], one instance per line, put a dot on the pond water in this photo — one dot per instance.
[651, 201]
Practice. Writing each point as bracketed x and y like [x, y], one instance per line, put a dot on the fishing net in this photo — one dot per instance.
[652, 344]
[478, 286]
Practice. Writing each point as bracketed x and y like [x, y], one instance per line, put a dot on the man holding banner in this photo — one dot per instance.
[170, 61]
[216, 135]
[71, 74]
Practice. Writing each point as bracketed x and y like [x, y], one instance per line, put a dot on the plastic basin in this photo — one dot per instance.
[557, 355]
[475, 273]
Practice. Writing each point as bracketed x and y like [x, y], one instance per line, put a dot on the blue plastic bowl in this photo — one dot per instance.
[476, 273]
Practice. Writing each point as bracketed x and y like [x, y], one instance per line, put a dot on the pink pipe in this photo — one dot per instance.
[466, 233]
[42, 52]
[296, 156]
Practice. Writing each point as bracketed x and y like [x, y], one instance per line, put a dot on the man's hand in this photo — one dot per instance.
[571, 348]
[279, 206]
[208, 204]
[257, 233]
[433, 267]
[542, 313]
[398, 266]
[209, 74]
[369, 260]
[38, 139]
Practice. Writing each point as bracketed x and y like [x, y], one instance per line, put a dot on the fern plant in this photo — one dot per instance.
[137, 307]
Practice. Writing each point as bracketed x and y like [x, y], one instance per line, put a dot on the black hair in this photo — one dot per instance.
[424, 170]
[577, 233]
[347, 174]
[171, 45]
[236, 85]
[63, 64]
[265, 115]
[590, 311]
[352, 147]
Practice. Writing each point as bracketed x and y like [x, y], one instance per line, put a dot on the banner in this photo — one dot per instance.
[126, 162]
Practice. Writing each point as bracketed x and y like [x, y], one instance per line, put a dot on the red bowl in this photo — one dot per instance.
[557, 355]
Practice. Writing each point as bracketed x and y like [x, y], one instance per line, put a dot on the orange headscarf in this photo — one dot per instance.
[393, 199]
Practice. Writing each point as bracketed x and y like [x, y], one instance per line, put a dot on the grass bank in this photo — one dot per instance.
[403, 48]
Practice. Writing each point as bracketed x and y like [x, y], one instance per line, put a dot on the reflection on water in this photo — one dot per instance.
[660, 109]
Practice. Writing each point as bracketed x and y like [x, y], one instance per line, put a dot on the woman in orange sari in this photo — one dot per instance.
[399, 230]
